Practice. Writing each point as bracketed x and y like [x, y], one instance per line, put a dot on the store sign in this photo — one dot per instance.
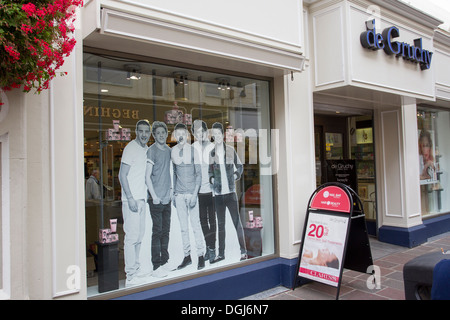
[343, 171]
[115, 113]
[370, 39]
[331, 198]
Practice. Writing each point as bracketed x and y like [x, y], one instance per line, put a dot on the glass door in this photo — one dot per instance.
[344, 152]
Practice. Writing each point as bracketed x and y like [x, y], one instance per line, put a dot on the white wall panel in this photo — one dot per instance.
[392, 163]
[328, 43]
[442, 59]
[263, 18]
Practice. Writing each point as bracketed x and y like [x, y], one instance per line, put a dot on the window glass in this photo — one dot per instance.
[178, 171]
[434, 160]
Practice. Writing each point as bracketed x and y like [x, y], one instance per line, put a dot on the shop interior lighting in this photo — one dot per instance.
[180, 78]
[133, 71]
[242, 94]
[223, 84]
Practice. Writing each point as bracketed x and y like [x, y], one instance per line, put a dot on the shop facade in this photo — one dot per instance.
[385, 79]
[289, 109]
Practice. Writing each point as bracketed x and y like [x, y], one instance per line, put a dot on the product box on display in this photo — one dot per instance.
[116, 133]
[109, 235]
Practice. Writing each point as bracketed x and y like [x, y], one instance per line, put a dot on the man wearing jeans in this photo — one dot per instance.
[205, 196]
[159, 187]
[134, 200]
[186, 184]
[224, 169]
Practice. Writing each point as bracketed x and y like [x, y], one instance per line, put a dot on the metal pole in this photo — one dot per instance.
[100, 140]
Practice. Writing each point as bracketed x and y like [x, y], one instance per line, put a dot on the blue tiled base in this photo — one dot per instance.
[227, 285]
[414, 236]
[405, 237]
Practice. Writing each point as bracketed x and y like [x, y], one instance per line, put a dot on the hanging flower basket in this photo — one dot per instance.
[35, 37]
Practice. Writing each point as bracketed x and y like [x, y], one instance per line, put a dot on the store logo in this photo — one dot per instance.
[370, 39]
[74, 279]
[374, 281]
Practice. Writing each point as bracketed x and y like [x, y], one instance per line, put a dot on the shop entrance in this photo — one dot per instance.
[344, 152]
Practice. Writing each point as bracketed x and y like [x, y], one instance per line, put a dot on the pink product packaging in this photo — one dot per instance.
[169, 117]
[179, 116]
[229, 135]
[112, 135]
[116, 125]
[125, 134]
[250, 224]
[256, 222]
[188, 119]
[113, 237]
[104, 235]
[113, 225]
[250, 215]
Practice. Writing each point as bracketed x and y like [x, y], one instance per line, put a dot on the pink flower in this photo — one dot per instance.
[26, 28]
[12, 52]
[42, 40]
[29, 8]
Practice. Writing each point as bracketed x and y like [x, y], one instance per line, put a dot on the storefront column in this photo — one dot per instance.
[399, 211]
[296, 170]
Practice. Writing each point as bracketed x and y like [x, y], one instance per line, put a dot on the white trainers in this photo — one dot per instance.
[168, 267]
[160, 272]
[142, 274]
[135, 281]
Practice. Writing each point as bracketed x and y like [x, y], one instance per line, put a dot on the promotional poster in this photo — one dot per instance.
[323, 249]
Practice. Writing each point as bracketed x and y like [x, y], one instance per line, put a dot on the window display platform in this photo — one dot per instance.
[225, 285]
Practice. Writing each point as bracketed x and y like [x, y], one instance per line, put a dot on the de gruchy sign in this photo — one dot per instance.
[370, 39]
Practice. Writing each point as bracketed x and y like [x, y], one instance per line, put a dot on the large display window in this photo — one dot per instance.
[178, 171]
[434, 160]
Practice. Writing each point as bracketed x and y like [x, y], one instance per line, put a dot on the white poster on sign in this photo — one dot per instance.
[323, 249]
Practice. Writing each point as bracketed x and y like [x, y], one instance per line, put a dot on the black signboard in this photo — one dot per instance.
[342, 171]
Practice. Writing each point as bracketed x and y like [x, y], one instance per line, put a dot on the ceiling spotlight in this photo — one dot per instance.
[133, 76]
[133, 71]
[180, 78]
[240, 86]
[223, 84]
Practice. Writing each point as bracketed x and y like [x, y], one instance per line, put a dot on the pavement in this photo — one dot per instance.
[389, 258]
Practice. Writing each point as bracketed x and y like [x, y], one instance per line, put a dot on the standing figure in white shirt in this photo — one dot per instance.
[134, 200]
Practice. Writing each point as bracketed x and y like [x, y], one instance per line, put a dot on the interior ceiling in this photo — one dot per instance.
[127, 64]
[351, 100]
[170, 55]
[434, 104]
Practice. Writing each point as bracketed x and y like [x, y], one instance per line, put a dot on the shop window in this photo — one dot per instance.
[120, 93]
[434, 160]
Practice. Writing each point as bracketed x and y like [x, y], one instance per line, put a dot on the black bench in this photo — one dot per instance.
[418, 275]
